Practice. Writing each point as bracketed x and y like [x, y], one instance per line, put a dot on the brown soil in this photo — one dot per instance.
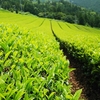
[79, 81]
[75, 82]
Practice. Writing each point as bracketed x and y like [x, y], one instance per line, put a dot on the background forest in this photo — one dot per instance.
[90, 4]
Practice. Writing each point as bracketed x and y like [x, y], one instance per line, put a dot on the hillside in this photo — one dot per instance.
[35, 63]
[90, 4]
[61, 10]
[32, 67]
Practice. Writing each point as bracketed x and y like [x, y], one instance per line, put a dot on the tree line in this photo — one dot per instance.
[61, 10]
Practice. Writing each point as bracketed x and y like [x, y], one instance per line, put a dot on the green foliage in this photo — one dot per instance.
[60, 9]
[83, 44]
[32, 67]
[93, 5]
[77, 95]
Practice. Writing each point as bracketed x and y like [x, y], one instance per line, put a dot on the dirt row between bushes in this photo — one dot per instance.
[79, 81]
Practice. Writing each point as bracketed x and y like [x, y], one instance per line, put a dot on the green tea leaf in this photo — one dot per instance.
[5, 47]
[1, 81]
[28, 83]
[51, 96]
[19, 94]
[6, 56]
[77, 95]
[1, 95]
[68, 97]
[11, 93]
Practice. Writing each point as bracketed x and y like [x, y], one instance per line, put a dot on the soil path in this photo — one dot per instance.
[79, 81]
[75, 81]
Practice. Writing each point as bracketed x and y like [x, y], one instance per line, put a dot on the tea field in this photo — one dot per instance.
[83, 43]
[33, 67]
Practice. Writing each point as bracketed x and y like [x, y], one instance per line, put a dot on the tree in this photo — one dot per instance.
[28, 7]
[81, 18]
[38, 1]
[70, 18]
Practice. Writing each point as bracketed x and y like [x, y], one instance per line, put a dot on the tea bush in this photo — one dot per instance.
[83, 45]
[32, 67]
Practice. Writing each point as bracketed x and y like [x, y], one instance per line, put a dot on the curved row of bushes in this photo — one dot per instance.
[85, 48]
[32, 67]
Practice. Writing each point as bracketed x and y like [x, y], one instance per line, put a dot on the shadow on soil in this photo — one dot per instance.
[81, 81]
